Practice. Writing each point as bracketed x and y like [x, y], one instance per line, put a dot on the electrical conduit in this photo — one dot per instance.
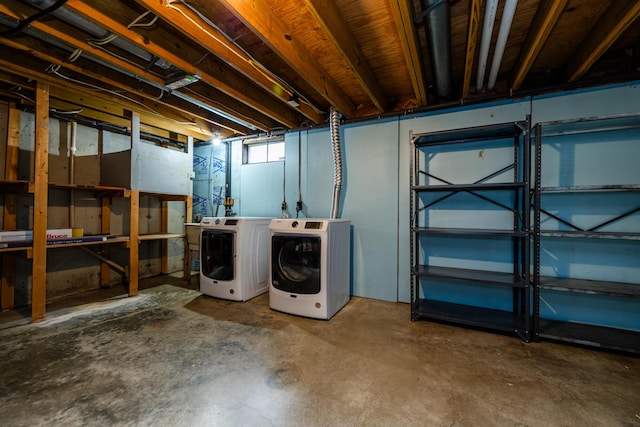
[334, 123]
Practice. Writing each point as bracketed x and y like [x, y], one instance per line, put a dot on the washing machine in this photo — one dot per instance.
[310, 266]
[234, 257]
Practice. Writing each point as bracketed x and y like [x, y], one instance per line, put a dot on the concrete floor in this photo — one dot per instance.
[173, 357]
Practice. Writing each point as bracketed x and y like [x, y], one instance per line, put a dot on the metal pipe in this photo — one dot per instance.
[487, 30]
[334, 122]
[505, 26]
[438, 23]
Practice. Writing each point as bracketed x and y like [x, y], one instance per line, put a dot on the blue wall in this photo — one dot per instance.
[376, 186]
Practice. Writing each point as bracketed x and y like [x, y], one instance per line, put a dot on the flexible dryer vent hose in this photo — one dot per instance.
[334, 124]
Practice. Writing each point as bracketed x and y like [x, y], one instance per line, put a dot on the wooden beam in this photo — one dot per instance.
[134, 242]
[151, 128]
[105, 228]
[189, 23]
[328, 16]
[109, 109]
[10, 218]
[164, 244]
[40, 201]
[543, 22]
[615, 20]
[403, 15]
[188, 214]
[18, 10]
[105, 80]
[260, 18]
[473, 29]
[134, 209]
[227, 82]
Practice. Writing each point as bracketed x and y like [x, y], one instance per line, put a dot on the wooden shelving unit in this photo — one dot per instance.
[38, 188]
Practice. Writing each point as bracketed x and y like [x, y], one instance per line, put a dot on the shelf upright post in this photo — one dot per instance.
[412, 243]
[536, 230]
[40, 200]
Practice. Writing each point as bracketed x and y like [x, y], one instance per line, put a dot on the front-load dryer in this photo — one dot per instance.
[234, 257]
[310, 267]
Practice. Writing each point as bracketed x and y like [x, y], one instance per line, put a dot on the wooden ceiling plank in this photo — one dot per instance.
[149, 124]
[242, 93]
[473, 30]
[403, 15]
[192, 25]
[545, 19]
[615, 20]
[259, 17]
[328, 15]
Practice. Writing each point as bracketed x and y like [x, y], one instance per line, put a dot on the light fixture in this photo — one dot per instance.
[179, 80]
[294, 101]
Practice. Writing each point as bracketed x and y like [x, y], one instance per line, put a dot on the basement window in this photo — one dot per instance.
[263, 152]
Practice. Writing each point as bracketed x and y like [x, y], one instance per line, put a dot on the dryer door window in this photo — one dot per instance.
[295, 264]
[217, 254]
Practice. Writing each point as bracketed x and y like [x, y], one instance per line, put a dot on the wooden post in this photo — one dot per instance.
[40, 200]
[134, 206]
[134, 242]
[164, 243]
[7, 298]
[105, 228]
[187, 251]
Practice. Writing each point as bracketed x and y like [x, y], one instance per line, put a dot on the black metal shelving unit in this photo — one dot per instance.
[568, 227]
[511, 182]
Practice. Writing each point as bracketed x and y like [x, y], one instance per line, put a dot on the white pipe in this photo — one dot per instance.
[503, 34]
[487, 30]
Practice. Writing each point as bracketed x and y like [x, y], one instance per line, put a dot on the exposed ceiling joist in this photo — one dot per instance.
[237, 67]
[473, 30]
[617, 18]
[184, 19]
[543, 22]
[109, 105]
[105, 76]
[328, 16]
[228, 82]
[73, 37]
[403, 16]
[257, 15]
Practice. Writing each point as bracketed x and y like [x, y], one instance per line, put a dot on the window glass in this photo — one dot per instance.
[256, 153]
[262, 152]
[275, 151]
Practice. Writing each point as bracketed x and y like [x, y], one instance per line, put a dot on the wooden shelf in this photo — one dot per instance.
[16, 186]
[161, 236]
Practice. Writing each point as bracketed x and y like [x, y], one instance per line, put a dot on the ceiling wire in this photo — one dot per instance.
[54, 69]
[23, 23]
[249, 59]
